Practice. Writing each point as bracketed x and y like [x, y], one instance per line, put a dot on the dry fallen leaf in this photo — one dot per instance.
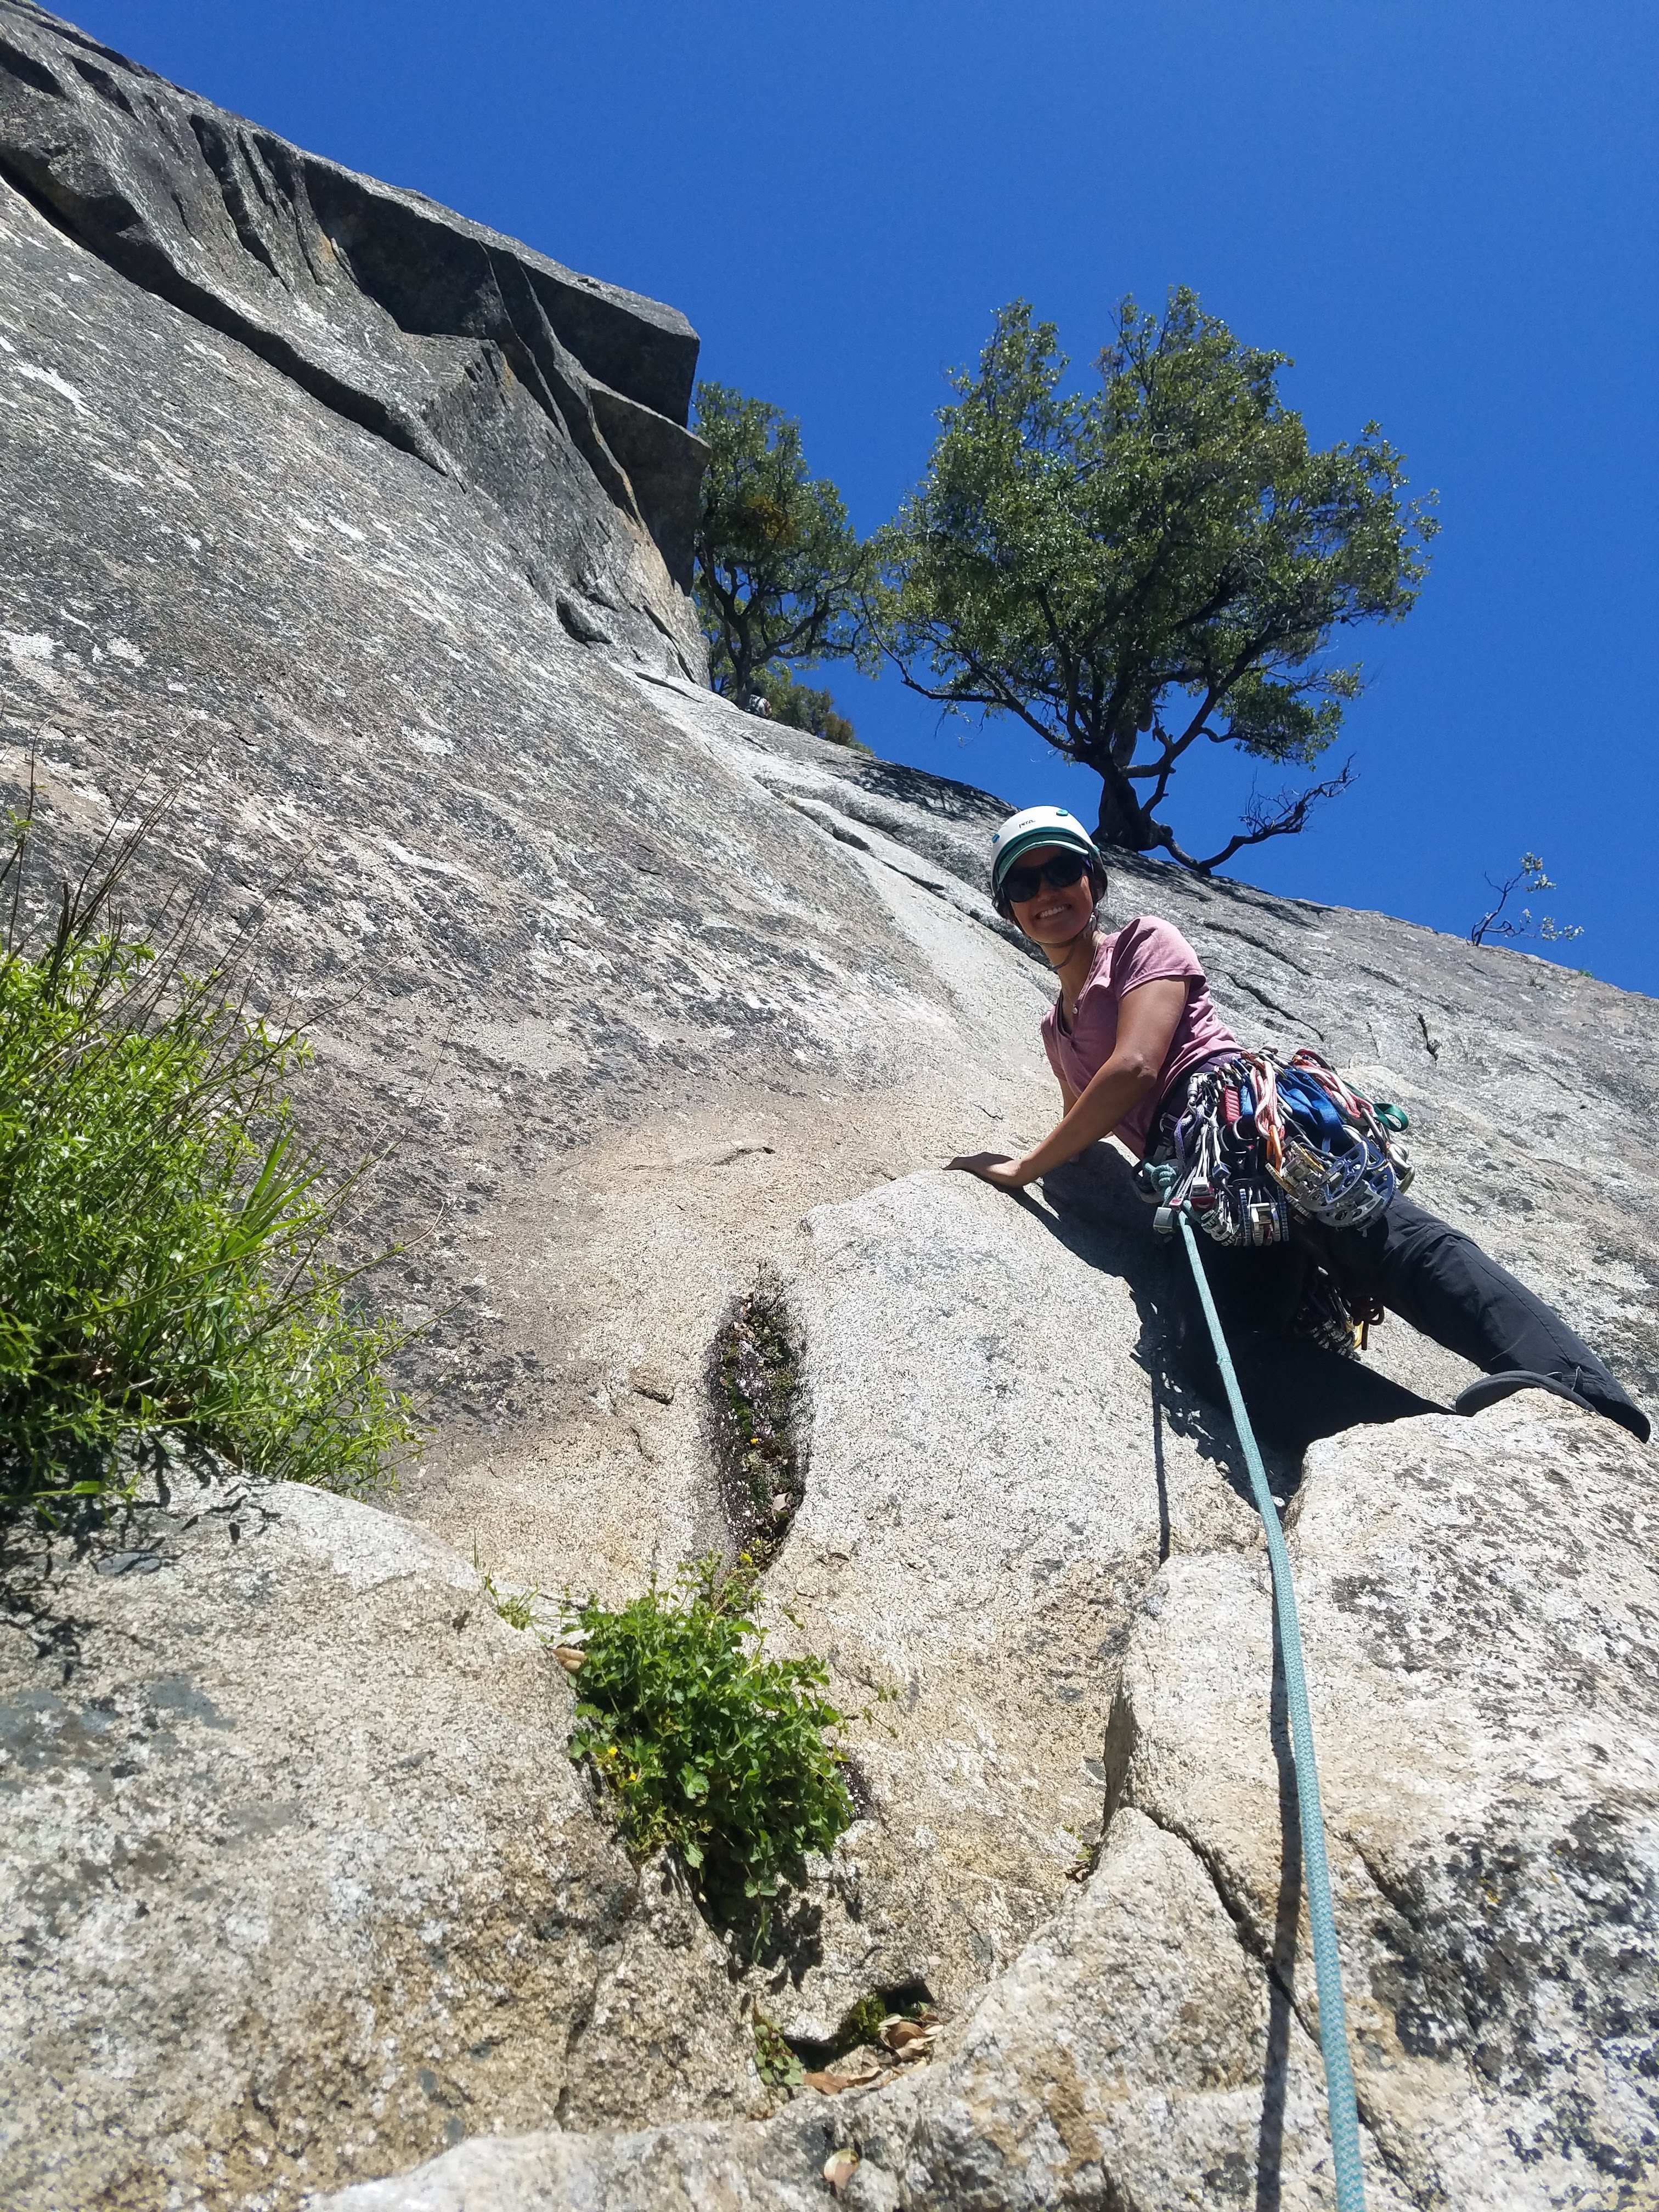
[900, 2034]
[862, 2064]
[840, 2167]
[827, 2085]
[568, 1658]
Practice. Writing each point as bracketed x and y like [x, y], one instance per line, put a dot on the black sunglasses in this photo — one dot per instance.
[1022, 884]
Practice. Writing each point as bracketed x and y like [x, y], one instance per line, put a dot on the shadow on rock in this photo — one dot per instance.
[131, 1534]
[1095, 1210]
[783, 1943]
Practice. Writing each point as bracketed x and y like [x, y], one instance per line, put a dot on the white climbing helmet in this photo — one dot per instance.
[1033, 826]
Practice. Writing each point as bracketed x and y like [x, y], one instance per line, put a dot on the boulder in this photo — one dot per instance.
[994, 1478]
[299, 1883]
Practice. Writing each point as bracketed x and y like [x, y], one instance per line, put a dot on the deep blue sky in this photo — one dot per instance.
[1444, 210]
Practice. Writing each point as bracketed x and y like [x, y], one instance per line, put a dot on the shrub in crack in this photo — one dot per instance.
[703, 1743]
[167, 1242]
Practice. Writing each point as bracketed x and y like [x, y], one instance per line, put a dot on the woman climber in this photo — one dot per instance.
[1128, 1038]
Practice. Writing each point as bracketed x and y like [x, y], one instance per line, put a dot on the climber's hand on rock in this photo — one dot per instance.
[993, 1168]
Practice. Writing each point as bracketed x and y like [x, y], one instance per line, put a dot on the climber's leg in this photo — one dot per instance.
[1296, 1390]
[1440, 1281]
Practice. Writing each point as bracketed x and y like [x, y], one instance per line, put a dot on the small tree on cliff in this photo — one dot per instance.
[782, 575]
[1157, 561]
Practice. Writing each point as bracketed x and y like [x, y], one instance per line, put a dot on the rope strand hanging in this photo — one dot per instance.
[1327, 1968]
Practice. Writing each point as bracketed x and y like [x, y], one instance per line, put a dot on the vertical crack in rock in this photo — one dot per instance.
[755, 1396]
[1277, 1972]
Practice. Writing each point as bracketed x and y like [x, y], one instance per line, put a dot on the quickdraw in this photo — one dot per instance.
[1261, 1138]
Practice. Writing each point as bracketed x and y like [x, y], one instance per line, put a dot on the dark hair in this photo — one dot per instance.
[1097, 881]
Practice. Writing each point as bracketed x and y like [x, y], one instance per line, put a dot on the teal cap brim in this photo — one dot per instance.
[1062, 839]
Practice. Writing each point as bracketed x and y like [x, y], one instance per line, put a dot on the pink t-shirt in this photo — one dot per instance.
[1144, 950]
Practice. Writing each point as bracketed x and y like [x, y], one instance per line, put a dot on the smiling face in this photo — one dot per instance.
[1054, 916]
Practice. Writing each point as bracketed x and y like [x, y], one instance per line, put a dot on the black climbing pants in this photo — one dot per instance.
[1419, 1267]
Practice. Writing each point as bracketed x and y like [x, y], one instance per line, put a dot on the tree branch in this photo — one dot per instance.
[1292, 816]
[998, 699]
[1066, 665]
[1164, 767]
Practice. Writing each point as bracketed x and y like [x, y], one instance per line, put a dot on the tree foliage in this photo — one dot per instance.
[1530, 877]
[800, 707]
[782, 575]
[1157, 561]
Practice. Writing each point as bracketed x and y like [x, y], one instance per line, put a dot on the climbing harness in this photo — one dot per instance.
[1327, 1968]
[1259, 1139]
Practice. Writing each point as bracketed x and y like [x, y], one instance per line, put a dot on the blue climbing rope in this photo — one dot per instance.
[1327, 1966]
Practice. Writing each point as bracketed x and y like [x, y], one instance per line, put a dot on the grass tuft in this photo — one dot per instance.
[163, 1233]
[516, 1607]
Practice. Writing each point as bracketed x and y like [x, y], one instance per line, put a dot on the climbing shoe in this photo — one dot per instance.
[1491, 1388]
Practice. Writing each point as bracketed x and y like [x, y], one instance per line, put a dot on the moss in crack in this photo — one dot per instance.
[755, 1384]
[862, 2023]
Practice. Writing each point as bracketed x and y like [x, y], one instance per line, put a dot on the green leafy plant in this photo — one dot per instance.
[163, 1231]
[703, 1743]
[776, 2063]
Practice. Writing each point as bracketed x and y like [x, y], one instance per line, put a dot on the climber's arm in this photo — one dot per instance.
[1147, 1023]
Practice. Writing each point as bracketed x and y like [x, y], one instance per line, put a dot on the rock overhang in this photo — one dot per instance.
[348, 285]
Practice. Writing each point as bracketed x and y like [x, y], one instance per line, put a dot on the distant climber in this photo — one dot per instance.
[1129, 1039]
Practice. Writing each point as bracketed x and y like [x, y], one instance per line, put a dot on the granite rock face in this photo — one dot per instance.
[312, 527]
[561, 400]
[298, 1881]
[1479, 1603]
[960, 1554]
